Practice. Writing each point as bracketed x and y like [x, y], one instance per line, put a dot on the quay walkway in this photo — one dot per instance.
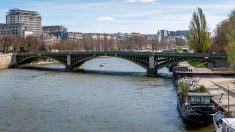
[216, 85]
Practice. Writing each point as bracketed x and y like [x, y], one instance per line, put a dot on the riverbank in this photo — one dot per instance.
[45, 62]
[216, 82]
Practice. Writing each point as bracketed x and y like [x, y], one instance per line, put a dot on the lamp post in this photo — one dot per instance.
[152, 47]
[228, 98]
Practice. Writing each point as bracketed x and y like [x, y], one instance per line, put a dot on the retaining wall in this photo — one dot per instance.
[6, 60]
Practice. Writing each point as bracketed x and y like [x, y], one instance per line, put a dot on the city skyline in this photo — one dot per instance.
[111, 16]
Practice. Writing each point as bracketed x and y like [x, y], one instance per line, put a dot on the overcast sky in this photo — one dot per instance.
[110, 16]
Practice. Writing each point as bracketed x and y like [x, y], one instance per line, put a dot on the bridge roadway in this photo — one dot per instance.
[148, 60]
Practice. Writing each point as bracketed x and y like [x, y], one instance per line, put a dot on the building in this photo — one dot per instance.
[184, 33]
[12, 29]
[57, 30]
[163, 33]
[99, 42]
[31, 20]
[50, 39]
[75, 36]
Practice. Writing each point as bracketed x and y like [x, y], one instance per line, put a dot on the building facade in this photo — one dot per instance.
[59, 31]
[163, 33]
[56, 28]
[30, 19]
[12, 29]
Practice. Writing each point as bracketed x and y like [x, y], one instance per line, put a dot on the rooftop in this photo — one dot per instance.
[22, 12]
[198, 94]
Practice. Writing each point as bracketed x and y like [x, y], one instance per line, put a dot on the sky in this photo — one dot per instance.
[126, 16]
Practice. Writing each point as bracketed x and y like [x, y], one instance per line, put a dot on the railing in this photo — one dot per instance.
[158, 54]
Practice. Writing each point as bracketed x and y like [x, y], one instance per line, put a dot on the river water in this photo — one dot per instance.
[106, 99]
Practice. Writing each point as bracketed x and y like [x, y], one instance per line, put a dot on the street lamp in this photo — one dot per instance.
[152, 47]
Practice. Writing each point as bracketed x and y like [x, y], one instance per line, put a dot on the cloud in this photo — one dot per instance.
[142, 1]
[145, 16]
[105, 18]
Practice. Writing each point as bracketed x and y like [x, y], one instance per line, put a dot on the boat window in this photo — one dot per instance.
[195, 100]
[205, 100]
[200, 100]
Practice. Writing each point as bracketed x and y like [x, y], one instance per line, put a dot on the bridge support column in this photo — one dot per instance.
[151, 72]
[68, 66]
[13, 63]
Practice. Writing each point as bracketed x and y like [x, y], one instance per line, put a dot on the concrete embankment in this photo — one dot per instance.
[218, 85]
[6, 60]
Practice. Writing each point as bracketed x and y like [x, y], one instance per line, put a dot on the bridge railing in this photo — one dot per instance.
[157, 54]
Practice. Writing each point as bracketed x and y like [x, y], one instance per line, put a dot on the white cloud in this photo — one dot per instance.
[142, 1]
[106, 18]
[133, 17]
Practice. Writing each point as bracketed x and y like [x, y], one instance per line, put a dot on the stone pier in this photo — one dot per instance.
[7, 60]
[151, 72]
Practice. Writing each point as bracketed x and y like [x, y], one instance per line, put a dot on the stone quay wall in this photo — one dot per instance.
[6, 60]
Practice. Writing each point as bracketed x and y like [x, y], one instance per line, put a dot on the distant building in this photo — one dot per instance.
[184, 33]
[99, 42]
[181, 41]
[30, 19]
[163, 33]
[75, 36]
[166, 33]
[58, 30]
[12, 29]
[50, 39]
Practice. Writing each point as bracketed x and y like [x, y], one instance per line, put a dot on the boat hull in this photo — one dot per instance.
[194, 117]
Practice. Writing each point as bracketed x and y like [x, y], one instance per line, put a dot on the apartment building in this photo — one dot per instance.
[29, 20]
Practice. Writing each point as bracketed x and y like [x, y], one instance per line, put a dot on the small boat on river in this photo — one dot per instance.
[223, 123]
[103, 64]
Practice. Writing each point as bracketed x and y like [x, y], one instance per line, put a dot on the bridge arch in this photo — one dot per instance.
[169, 62]
[24, 59]
[142, 63]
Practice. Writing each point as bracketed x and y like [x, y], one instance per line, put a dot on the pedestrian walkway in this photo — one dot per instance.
[217, 85]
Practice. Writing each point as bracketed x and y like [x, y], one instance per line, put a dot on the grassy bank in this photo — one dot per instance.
[198, 63]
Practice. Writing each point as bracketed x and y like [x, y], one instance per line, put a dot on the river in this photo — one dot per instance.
[105, 99]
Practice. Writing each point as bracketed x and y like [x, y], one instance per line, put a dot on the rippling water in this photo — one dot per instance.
[37, 100]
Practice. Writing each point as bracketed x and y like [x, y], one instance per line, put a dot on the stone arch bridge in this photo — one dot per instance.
[150, 61]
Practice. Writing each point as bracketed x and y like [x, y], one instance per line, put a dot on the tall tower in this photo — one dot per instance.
[31, 20]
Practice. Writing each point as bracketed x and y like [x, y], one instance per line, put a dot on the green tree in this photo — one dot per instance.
[220, 41]
[230, 34]
[184, 90]
[199, 38]
[179, 48]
